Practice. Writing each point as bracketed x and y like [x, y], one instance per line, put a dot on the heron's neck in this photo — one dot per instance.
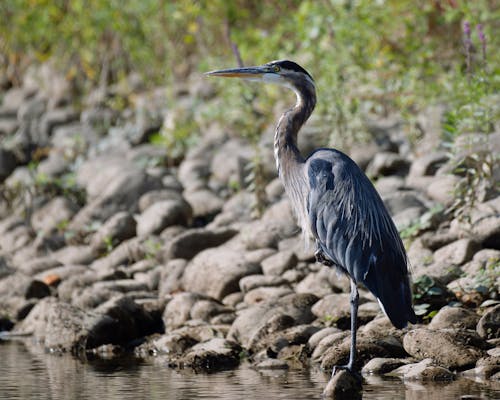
[286, 152]
[289, 161]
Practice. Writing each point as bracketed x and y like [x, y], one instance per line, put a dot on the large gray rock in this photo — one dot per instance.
[120, 194]
[385, 163]
[277, 223]
[53, 118]
[230, 160]
[400, 201]
[213, 355]
[454, 317]
[448, 347]
[278, 263]
[171, 277]
[204, 202]
[428, 164]
[456, 253]
[53, 215]
[254, 323]
[62, 327]
[119, 227]
[425, 370]
[216, 272]
[441, 189]
[160, 215]
[178, 310]
[187, 244]
[155, 196]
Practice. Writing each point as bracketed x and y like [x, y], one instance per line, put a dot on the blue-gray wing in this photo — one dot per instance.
[354, 229]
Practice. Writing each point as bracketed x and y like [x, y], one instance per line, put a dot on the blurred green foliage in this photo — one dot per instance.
[367, 56]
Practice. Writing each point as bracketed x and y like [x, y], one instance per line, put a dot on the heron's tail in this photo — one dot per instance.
[393, 291]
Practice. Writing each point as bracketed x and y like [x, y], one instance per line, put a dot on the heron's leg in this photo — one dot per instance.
[354, 299]
[354, 324]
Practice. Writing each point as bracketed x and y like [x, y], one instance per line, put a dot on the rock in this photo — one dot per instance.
[189, 243]
[155, 196]
[216, 354]
[8, 163]
[380, 366]
[173, 344]
[278, 263]
[277, 223]
[119, 192]
[317, 337]
[448, 347]
[387, 185]
[53, 118]
[216, 272]
[83, 255]
[171, 277]
[343, 385]
[304, 250]
[62, 327]
[128, 251]
[488, 326]
[121, 226]
[178, 310]
[204, 202]
[337, 308]
[456, 253]
[230, 161]
[274, 191]
[261, 294]
[385, 163]
[250, 282]
[438, 239]
[428, 164]
[39, 264]
[120, 285]
[256, 322]
[441, 189]
[407, 218]
[425, 370]
[339, 354]
[193, 174]
[55, 165]
[130, 320]
[454, 317]
[161, 215]
[322, 283]
[398, 202]
[59, 274]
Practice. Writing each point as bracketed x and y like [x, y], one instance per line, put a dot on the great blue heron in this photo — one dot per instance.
[336, 205]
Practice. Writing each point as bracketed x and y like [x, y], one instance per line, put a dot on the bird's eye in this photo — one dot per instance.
[276, 68]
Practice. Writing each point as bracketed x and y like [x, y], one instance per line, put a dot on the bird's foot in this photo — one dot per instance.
[348, 368]
[320, 257]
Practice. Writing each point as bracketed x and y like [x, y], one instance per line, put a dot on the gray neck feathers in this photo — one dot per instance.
[289, 161]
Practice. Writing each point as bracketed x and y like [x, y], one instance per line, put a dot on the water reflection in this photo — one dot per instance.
[26, 372]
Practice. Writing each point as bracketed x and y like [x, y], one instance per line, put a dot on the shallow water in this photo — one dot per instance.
[26, 372]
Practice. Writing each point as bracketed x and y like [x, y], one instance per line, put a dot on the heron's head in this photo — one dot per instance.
[281, 72]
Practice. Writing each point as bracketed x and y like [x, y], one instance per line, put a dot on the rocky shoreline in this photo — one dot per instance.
[107, 246]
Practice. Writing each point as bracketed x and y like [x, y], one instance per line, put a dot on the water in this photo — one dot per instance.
[26, 372]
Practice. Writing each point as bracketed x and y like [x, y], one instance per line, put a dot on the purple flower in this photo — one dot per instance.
[482, 39]
[468, 47]
[466, 28]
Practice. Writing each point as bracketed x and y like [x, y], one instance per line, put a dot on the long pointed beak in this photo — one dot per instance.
[246, 72]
